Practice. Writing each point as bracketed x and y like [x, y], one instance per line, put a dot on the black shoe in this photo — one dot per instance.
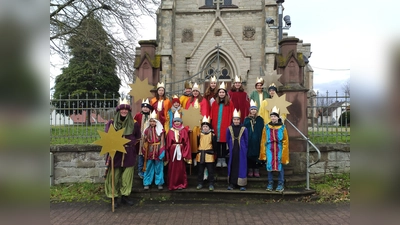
[126, 200]
[116, 205]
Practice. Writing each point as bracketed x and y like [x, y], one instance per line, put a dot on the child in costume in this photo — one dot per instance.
[239, 98]
[205, 154]
[178, 153]
[153, 152]
[274, 149]
[237, 140]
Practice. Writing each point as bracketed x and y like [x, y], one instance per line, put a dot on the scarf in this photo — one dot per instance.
[127, 123]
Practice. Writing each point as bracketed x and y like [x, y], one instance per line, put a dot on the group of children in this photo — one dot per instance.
[231, 129]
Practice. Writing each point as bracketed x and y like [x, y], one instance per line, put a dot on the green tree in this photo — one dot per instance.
[91, 71]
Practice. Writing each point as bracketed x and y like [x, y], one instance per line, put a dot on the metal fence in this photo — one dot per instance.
[76, 120]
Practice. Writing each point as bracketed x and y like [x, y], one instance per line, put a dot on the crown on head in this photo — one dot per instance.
[160, 85]
[177, 114]
[222, 86]
[253, 103]
[175, 96]
[260, 80]
[272, 86]
[237, 79]
[236, 113]
[275, 111]
[145, 101]
[213, 79]
[123, 101]
[153, 115]
[188, 84]
[195, 87]
[206, 119]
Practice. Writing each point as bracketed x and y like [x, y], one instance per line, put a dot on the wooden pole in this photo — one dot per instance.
[112, 182]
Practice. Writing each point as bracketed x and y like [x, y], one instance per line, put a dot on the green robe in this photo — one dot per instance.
[256, 97]
[254, 129]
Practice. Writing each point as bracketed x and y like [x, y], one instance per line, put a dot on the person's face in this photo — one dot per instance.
[145, 109]
[161, 91]
[152, 123]
[253, 112]
[177, 123]
[274, 119]
[259, 87]
[205, 128]
[213, 84]
[176, 104]
[188, 91]
[196, 93]
[236, 121]
[123, 112]
[271, 92]
[237, 85]
[221, 93]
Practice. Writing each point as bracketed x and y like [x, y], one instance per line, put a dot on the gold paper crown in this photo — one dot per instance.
[275, 110]
[236, 113]
[123, 101]
[153, 115]
[237, 79]
[213, 79]
[253, 103]
[206, 119]
[195, 87]
[272, 85]
[175, 96]
[160, 85]
[188, 85]
[177, 114]
[145, 101]
[260, 80]
[222, 86]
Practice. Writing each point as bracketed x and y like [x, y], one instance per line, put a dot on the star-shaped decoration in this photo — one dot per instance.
[273, 78]
[191, 117]
[279, 102]
[140, 89]
[112, 141]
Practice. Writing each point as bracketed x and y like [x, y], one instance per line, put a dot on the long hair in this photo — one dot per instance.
[210, 92]
[226, 99]
[233, 88]
[200, 98]
[158, 96]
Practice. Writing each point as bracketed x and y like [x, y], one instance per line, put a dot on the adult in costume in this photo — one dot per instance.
[239, 98]
[161, 104]
[237, 140]
[259, 94]
[187, 94]
[142, 118]
[255, 125]
[221, 117]
[274, 149]
[178, 153]
[123, 162]
[211, 92]
[153, 152]
[264, 112]
[205, 154]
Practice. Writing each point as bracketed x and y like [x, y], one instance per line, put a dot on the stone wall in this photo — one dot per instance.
[83, 163]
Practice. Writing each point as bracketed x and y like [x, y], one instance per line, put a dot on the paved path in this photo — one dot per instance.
[162, 213]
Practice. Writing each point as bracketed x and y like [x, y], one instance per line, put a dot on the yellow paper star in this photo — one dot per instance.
[273, 78]
[191, 117]
[112, 141]
[279, 102]
[140, 89]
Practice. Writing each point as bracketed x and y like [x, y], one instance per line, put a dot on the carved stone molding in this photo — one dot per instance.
[187, 35]
[248, 33]
[217, 32]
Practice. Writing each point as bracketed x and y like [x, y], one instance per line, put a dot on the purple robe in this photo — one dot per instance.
[237, 139]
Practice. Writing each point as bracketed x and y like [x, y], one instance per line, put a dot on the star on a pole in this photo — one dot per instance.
[112, 141]
[191, 117]
[273, 78]
[279, 102]
[140, 89]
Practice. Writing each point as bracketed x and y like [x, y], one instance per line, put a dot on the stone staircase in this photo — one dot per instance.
[294, 188]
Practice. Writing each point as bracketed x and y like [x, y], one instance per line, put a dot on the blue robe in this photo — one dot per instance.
[237, 165]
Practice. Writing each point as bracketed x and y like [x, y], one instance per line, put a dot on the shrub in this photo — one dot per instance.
[345, 119]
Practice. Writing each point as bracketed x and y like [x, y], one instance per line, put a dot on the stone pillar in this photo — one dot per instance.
[291, 64]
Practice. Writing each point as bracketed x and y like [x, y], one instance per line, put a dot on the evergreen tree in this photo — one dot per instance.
[92, 69]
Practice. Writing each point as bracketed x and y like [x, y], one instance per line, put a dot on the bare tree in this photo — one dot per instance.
[120, 18]
[346, 87]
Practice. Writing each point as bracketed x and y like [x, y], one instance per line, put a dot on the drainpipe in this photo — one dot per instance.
[51, 169]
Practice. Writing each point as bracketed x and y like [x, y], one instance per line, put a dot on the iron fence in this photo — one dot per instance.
[76, 120]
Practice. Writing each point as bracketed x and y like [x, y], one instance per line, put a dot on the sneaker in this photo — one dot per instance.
[160, 187]
[280, 187]
[242, 188]
[195, 162]
[140, 175]
[219, 163]
[256, 173]
[146, 187]
[230, 187]
[224, 163]
[250, 173]
[199, 187]
[270, 186]
[211, 188]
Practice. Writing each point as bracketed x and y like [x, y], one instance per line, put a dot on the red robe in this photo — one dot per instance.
[163, 113]
[241, 102]
[221, 119]
[177, 177]
[204, 106]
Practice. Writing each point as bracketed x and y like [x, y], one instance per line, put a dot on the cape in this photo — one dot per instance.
[256, 97]
[241, 102]
[255, 133]
[162, 115]
[274, 147]
[241, 153]
[221, 118]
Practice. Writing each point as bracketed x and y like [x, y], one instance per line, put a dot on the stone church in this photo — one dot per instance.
[199, 38]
